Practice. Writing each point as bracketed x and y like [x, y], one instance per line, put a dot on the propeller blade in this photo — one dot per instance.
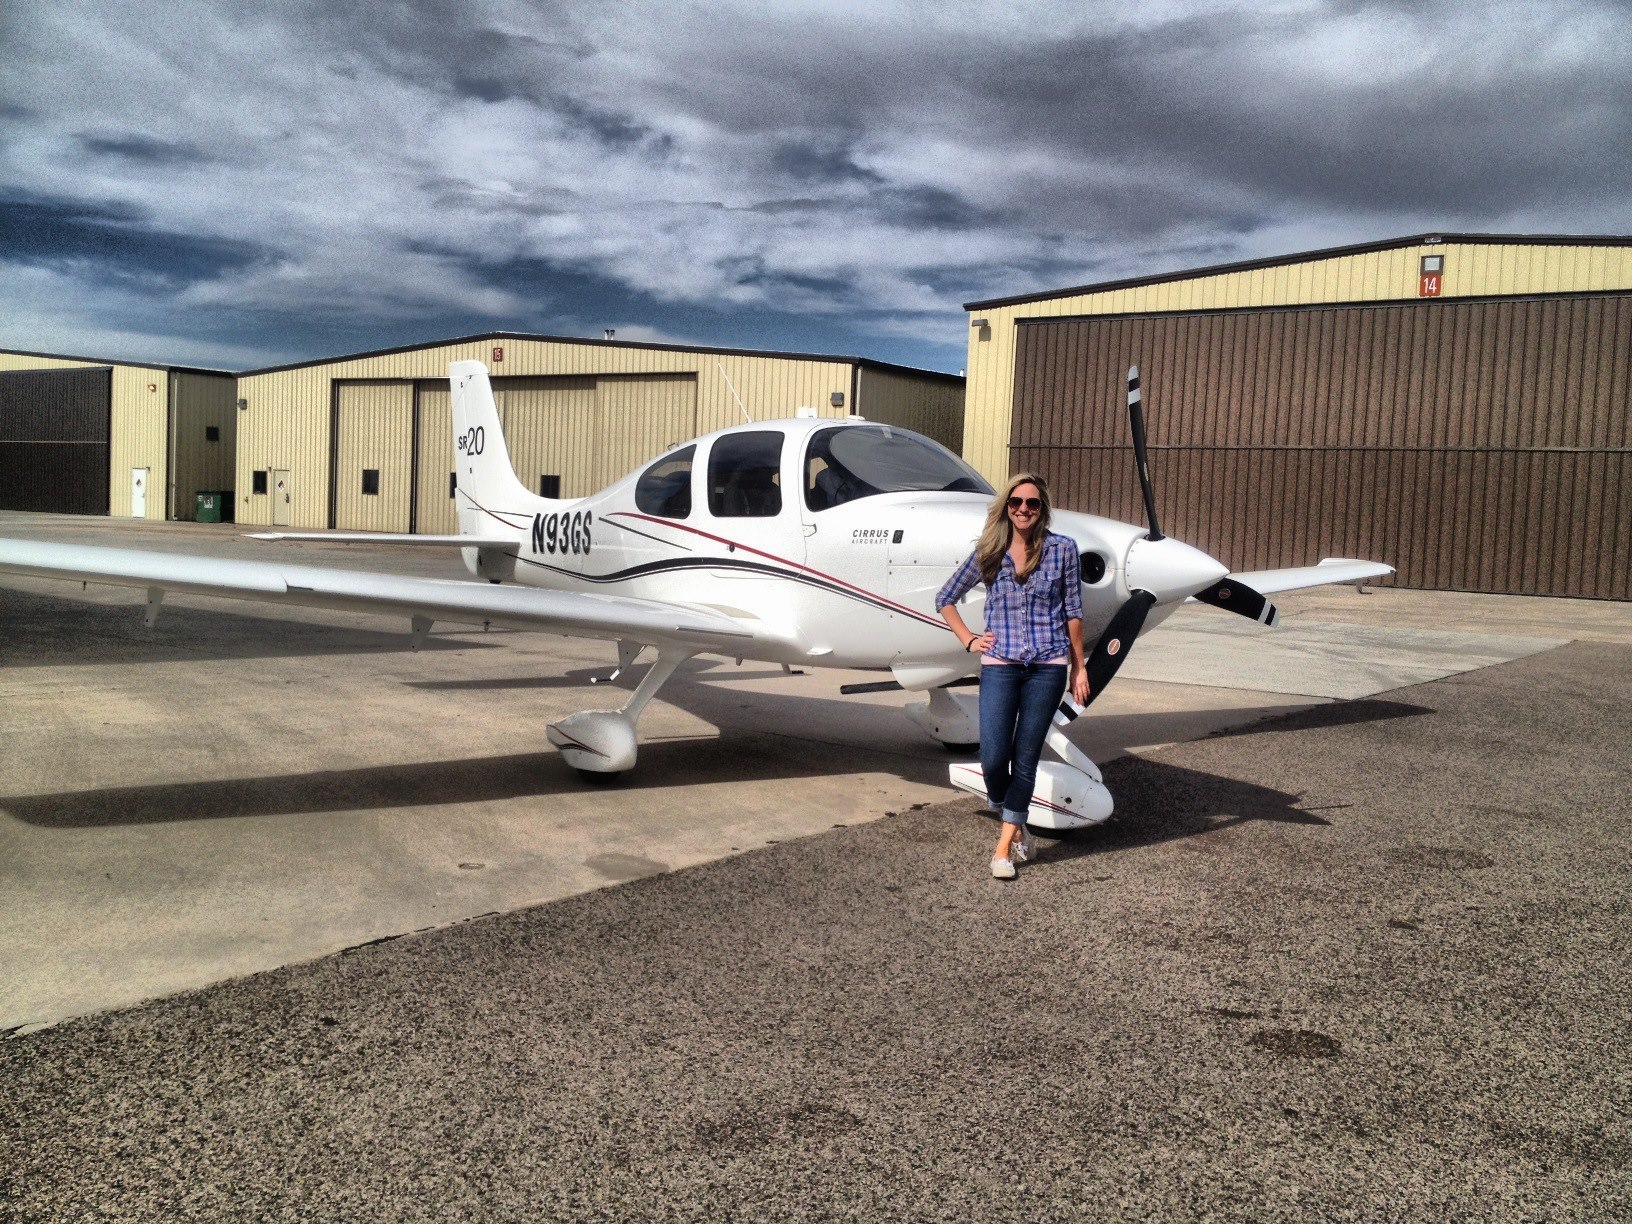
[1136, 419]
[1113, 645]
[1238, 597]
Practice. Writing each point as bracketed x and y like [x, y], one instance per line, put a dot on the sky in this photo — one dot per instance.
[244, 183]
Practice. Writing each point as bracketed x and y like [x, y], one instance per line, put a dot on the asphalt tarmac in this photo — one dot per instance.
[243, 786]
[1366, 961]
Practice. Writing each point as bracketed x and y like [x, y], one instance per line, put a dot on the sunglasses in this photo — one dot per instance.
[1030, 503]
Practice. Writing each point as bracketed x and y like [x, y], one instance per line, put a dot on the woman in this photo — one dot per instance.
[1033, 638]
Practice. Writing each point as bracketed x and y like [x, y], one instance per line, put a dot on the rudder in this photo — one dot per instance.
[485, 480]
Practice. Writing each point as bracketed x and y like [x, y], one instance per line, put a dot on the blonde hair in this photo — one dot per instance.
[998, 533]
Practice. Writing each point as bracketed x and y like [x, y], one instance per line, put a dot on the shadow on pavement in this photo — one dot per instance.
[46, 631]
[664, 765]
[1336, 714]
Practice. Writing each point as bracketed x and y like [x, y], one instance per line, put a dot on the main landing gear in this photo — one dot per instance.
[601, 744]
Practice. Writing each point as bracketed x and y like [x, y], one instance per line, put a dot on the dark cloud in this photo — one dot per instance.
[620, 131]
[696, 167]
[933, 208]
[482, 88]
[114, 238]
[144, 149]
[825, 161]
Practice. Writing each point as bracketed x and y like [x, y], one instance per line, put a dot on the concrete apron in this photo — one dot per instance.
[236, 790]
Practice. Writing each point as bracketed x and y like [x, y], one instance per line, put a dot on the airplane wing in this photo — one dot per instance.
[1330, 569]
[425, 600]
[505, 543]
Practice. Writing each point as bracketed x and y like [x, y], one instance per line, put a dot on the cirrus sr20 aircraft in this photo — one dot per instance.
[805, 542]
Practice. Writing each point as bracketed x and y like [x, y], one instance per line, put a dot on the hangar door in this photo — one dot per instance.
[373, 456]
[588, 432]
[55, 428]
[1474, 445]
[568, 436]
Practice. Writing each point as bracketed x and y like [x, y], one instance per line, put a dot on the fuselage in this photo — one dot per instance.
[828, 539]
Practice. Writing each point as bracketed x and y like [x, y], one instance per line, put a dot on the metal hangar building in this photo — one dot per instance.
[365, 442]
[1454, 404]
[79, 435]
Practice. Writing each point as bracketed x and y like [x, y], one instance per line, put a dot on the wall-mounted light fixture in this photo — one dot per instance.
[836, 399]
[979, 323]
[243, 405]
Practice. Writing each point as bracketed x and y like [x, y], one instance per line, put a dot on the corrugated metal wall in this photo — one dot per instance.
[288, 421]
[199, 403]
[642, 415]
[1471, 270]
[1477, 446]
[552, 429]
[583, 432]
[138, 434]
[54, 427]
[930, 406]
[435, 511]
[374, 432]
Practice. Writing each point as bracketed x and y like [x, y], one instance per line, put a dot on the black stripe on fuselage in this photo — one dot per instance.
[735, 563]
[645, 535]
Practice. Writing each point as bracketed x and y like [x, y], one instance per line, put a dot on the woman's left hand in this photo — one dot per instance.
[1079, 684]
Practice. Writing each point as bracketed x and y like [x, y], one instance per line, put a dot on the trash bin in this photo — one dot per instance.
[208, 508]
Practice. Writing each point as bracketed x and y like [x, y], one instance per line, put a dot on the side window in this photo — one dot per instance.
[828, 482]
[745, 475]
[665, 487]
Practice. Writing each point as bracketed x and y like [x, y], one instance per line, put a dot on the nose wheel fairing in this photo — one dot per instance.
[1065, 798]
[1070, 792]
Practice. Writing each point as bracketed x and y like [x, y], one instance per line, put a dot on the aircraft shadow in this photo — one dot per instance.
[1333, 714]
[711, 670]
[47, 631]
[664, 765]
[1188, 802]
[1158, 801]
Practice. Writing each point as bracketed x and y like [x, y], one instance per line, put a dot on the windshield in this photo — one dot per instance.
[853, 461]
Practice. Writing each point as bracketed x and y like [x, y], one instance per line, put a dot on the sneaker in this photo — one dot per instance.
[1024, 847]
[1002, 869]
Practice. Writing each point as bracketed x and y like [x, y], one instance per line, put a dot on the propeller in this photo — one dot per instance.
[1114, 644]
[1238, 597]
[1162, 570]
[1136, 422]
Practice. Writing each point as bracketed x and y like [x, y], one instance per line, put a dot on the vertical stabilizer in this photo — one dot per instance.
[486, 483]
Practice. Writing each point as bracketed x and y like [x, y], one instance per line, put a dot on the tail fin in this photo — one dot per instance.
[486, 482]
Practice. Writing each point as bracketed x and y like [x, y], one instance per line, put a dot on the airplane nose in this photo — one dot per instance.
[1170, 569]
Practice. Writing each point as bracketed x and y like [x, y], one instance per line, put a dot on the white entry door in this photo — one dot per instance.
[281, 511]
[138, 492]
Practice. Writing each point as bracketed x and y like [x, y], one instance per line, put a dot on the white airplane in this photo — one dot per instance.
[804, 542]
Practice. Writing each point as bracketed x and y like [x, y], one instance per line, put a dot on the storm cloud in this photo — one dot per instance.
[255, 182]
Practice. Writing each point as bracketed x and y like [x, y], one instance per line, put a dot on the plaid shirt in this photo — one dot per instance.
[1027, 622]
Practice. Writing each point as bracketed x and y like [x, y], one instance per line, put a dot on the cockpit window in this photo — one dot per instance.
[853, 461]
[745, 475]
[665, 487]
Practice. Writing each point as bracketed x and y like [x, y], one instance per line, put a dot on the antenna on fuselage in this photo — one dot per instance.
[734, 394]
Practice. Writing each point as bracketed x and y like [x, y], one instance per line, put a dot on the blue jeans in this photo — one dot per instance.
[1017, 704]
